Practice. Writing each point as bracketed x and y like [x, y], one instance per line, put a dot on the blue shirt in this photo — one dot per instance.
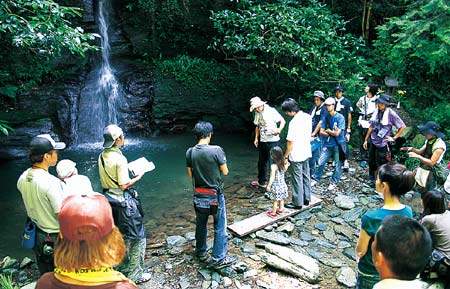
[332, 122]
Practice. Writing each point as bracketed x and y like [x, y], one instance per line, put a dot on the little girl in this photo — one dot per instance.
[277, 189]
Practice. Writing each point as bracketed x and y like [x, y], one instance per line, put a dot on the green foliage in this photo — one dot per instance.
[415, 48]
[4, 127]
[6, 282]
[33, 34]
[192, 71]
[299, 38]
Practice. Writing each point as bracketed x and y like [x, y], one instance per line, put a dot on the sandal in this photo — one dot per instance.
[280, 212]
[270, 214]
[254, 183]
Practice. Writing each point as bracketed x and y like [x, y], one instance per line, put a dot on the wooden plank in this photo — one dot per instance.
[254, 223]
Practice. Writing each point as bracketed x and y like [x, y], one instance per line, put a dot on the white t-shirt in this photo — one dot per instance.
[299, 133]
[366, 105]
[400, 284]
[77, 185]
[42, 195]
[267, 122]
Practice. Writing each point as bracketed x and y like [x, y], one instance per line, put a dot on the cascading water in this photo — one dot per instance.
[102, 95]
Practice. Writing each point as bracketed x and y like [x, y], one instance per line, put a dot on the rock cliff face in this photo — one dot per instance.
[152, 104]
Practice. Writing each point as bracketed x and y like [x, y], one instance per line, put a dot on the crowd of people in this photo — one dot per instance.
[75, 225]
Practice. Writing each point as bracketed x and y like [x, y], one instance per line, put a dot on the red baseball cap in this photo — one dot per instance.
[79, 211]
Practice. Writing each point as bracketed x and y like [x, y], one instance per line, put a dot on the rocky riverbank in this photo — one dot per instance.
[323, 237]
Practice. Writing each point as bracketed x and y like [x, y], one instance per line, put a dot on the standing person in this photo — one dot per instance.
[332, 131]
[393, 180]
[42, 195]
[430, 154]
[344, 107]
[436, 218]
[318, 112]
[380, 134]
[127, 212]
[269, 124]
[277, 189]
[87, 248]
[367, 107]
[400, 250]
[72, 182]
[205, 165]
[298, 152]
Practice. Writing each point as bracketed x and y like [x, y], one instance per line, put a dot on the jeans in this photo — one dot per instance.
[301, 182]
[133, 263]
[377, 157]
[264, 160]
[220, 247]
[324, 157]
[315, 157]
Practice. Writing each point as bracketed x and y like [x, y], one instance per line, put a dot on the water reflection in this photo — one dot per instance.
[164, 191]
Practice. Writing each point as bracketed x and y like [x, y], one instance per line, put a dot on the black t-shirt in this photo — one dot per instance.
[205, 161]
[344, 108]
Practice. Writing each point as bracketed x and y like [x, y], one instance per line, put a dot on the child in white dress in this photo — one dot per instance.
[277, 190]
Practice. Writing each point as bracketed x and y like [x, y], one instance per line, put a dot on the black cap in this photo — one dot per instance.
[44, 143]
[339, 87]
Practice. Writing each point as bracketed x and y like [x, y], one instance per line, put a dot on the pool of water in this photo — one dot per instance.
[165, 189]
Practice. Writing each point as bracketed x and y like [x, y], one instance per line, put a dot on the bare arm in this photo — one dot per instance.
[317, 129]
[288, 149]
[224, 169]
[131, 183]
[431, 161]
[273, 169]
[369, 131]
[256, 140]
[349, 122]
[362, 245]
[189, 172]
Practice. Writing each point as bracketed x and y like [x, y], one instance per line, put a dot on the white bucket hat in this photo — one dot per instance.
[256, 102]
[65, 168]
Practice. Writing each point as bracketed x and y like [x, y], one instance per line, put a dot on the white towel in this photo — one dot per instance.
[385, 120]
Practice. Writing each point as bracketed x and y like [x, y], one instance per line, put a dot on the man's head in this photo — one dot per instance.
[256, 103]
[203, 129]
[318, 98]
[113, 136]
[383, 101]
[371, 89]
[401, 248]
[339, 91]
[44, 148]
[329, 104]
[290, 107]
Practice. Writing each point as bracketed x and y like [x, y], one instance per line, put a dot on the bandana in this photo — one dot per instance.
[93, 276]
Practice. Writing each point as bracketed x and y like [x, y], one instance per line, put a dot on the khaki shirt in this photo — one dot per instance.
[42, 195]
[116, 166]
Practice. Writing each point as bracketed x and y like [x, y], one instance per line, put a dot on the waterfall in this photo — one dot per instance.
[101, 96]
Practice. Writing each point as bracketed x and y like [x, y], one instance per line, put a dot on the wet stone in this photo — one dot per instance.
[333, 214]
[320, 227]
[332, 262]
[326, 244]
[322, 217]
[305, 215]
[173, 241]
[237, 241]
[314, 253]
[307, 237]
[344, 202]
[248, 249]
[240, 267]
[338, 220]
[206, 274]
[343, 245]
[346, 276]
[330, 235]
[227, 282]
[287, 227]
[298, 242]
[190, 236]
[344, 230]
[316, 209]
[350, 253]
[273, 237]
[250, 273]
[216, 277]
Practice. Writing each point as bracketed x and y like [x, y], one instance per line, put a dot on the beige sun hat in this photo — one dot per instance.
[255, 102]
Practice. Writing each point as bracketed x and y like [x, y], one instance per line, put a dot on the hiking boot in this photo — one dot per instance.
[346, 166]
[225, 262]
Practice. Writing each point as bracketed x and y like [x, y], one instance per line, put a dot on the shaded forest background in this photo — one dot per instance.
[273, 49]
